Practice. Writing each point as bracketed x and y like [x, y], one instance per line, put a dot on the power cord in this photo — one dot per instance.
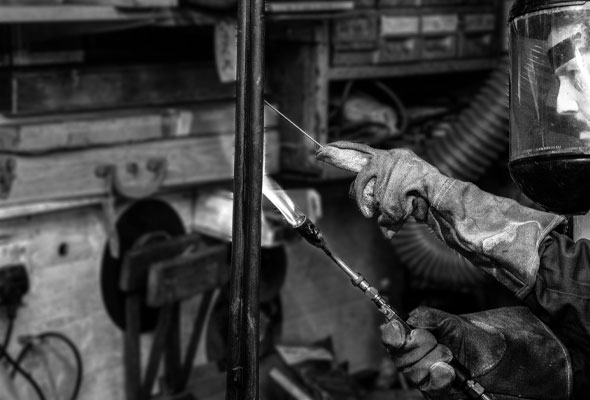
[14, 284]
[30, 343]
[8, 333]
[370, 132]
[29, 378]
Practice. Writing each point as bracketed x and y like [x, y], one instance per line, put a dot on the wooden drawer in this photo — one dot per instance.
[439, 47]
[130, 170]
[355, 33]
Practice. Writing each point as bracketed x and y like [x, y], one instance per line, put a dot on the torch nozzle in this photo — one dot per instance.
[311, 233]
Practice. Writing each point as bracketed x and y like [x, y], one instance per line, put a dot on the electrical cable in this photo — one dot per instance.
[29, 378]
[21, 355]
[401, 109]
[77, 356]
[8, 334]
[71, 346]
[365, 130]
[16, 365]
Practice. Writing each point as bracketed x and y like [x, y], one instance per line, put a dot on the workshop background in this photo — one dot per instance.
[117, 123]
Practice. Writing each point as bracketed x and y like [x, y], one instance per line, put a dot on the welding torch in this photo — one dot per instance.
[309, 231]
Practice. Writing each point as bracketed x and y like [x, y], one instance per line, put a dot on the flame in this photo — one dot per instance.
[281, 200]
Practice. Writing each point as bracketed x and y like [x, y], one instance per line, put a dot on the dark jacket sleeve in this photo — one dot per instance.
[561, 298]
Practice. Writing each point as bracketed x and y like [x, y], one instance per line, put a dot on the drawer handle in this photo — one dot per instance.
[157, 166]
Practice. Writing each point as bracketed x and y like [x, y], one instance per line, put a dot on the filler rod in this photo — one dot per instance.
[293, 124]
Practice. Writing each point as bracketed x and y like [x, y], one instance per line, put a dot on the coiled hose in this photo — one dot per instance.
[476, 140]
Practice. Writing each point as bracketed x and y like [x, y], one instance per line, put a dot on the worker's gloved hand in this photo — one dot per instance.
[492, 232]
[510, 352]
[378, 172]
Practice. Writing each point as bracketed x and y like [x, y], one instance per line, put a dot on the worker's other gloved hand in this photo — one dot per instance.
[510, 352]
[492, 232]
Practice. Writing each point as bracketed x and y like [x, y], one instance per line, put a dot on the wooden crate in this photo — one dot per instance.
[129, 170]
[112, 3]
[70, 131]
[54, 90]
[127, 3]
[63, 255]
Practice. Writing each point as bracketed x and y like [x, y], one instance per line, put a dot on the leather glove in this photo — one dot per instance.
[510, 352]
[492, 232]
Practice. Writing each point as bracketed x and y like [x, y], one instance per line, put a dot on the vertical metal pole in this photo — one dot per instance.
[255, 158]
[242, 379]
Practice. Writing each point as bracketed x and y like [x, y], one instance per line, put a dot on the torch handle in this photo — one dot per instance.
[463, 379]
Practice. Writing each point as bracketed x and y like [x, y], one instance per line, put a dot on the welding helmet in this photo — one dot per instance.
[550, 103]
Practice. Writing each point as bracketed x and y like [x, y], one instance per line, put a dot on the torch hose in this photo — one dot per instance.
[463, 379]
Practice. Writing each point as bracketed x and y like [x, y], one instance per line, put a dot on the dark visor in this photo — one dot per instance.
[563, 51]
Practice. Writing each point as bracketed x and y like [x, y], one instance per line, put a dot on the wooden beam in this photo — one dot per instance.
[15, 14]
[73, 174]
[50, 133]
[51, 90]
[417, 68]
[308, 6]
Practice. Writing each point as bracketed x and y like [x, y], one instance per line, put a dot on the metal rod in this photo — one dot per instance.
[255, 158]
[293, 124]
[242, 377]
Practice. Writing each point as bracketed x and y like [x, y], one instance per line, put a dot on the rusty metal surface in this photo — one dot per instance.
[242, 379]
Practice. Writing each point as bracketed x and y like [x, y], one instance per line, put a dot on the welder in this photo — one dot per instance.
[540, 350]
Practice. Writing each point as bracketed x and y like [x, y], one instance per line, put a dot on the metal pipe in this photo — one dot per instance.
[255, 159]
[242, 377]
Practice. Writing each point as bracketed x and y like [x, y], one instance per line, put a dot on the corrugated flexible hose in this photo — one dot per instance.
[477, 139]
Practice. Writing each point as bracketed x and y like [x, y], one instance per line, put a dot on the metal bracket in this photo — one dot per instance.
[157, 166]
[115, 187]
[110, 219]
